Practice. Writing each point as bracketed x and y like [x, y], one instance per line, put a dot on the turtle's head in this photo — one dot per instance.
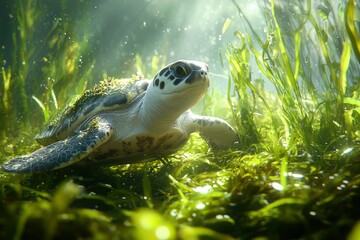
[181, 84]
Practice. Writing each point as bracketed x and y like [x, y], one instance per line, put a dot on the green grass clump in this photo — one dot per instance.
[307, 127]
[315, 106]
[40, 65]
[294, 174]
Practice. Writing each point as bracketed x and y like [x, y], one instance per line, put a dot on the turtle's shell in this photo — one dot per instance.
[109, 94]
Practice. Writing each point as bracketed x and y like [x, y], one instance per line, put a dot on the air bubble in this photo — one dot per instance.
[173, 213]
[200, 206]
[346, 151]
[162, 232]
[204, 190]
[312, 213]
[277, 186]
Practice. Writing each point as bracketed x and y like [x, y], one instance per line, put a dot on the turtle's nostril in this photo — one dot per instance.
[203, 73]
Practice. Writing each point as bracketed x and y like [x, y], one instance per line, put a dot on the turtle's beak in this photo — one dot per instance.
[197, 75]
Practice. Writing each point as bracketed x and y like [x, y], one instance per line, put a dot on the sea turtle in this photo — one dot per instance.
[128, 121]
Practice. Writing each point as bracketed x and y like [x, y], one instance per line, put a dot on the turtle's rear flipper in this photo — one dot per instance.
[62, 153]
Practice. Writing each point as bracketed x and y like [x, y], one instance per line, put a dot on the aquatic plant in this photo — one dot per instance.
[314, 89]
[312, 113]
[40, 64]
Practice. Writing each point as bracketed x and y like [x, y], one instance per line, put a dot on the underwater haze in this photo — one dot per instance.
[112, 33]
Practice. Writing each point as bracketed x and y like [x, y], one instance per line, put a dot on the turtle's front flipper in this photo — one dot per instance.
[62, 153]
[217, 132]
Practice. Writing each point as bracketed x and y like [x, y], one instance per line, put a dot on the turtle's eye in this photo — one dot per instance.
[180, 70]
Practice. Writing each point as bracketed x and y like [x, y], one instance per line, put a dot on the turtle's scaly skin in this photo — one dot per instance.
[128, 121]
[58, 153]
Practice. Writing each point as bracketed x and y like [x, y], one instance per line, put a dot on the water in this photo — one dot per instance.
[297, 158]
[113, 32]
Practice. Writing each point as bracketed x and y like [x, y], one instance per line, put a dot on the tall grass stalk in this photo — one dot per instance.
[43, 108]
[351, 29]
[26, 17]
[242, 107]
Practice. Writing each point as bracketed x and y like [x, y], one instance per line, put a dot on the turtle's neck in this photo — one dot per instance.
[157, 114]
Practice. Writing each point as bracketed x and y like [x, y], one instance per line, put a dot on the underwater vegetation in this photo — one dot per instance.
[294, 174]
